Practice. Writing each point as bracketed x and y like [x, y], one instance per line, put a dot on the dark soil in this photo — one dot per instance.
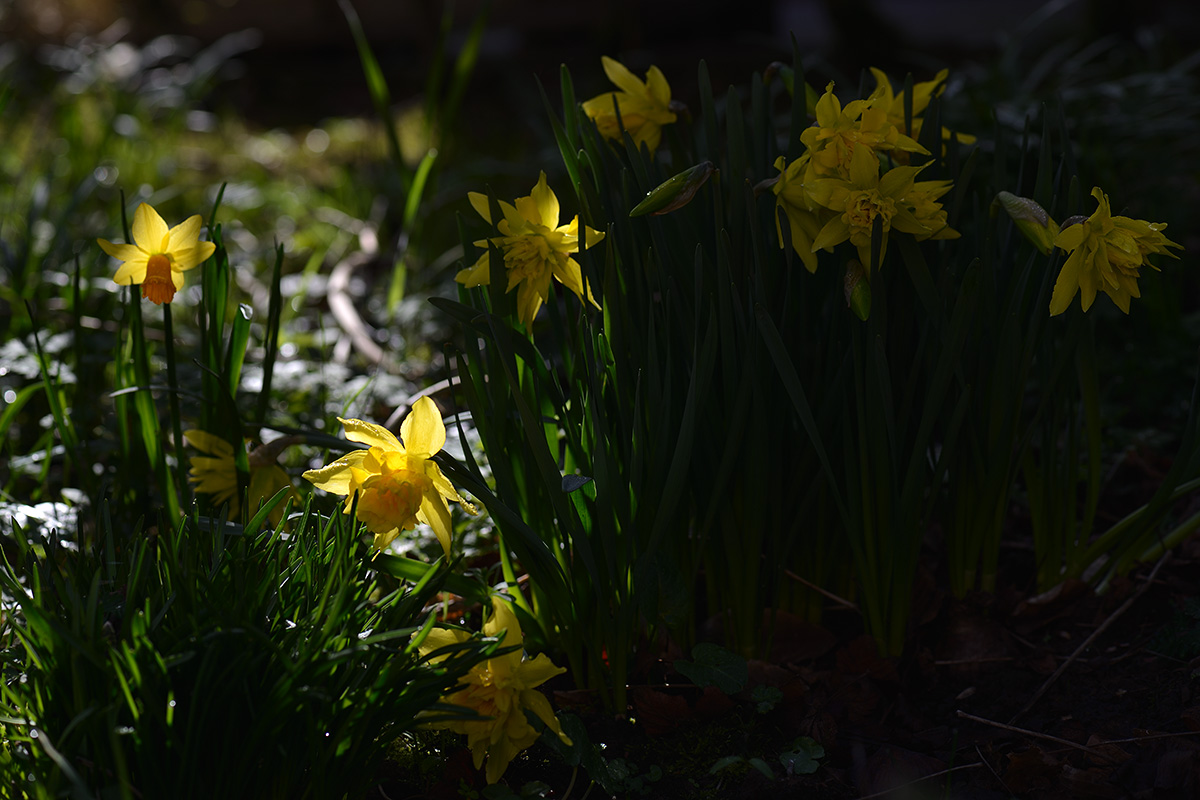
[961, 715]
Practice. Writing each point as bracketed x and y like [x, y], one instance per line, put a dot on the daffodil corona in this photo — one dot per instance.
[499, 690]
[397, 484]
[535, 248]
[159, 255]
[644, 106]
[1106, 254]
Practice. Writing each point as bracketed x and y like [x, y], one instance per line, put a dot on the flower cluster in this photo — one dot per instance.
[535, 247]
[854, 175]
[396, 484]
[499, 690]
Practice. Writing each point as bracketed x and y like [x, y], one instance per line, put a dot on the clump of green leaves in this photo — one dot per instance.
[213, 660]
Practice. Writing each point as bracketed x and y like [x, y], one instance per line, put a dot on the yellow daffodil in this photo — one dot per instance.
[159, 256]
[645, 107]
[862, 199]
[841, 131]
[397, 484]
[1106, 254]
[893, 104]
[499, 690]
[215, 472]
[803, 214]
[535, 247]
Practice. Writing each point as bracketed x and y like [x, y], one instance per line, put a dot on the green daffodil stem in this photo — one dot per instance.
[173, 401]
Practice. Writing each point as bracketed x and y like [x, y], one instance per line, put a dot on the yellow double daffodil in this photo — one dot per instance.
[841, 131]
[499, 690]
[535, 247]
[159, 256]
[397, 484]
[862, 199]
[1106, 254]
[644, 106]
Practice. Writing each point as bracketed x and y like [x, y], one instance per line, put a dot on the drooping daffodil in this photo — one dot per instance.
[644, 106]
[499, 689]
[535, 248]
[159, 255]
[1106, 254]
[396, 482]
[215, 473]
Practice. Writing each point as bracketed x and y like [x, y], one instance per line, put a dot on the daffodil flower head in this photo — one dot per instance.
[644, 106]
[500, 690]
[862, 199]
[802, 212]
[159, 255]
[841, 131]
[893, 104]
[535, 248]
[1106, 254]
[215, 473]
[397, 484]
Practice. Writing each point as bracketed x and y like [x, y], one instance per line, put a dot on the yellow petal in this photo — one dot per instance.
[504, 619]
[435, 512]
[193, 256]
[479, 202]
[439, 638]
[477, 275]
[445, 488]
[131, 272]
[1066, 285]
[206, 442]
[149, 231]
[335, 478]
[538, 670]
[185, 235]
[536, 702]
[660, 90]
[422, 430]
[123, 252]
[545, 202]
[369, 433]
[620, 75]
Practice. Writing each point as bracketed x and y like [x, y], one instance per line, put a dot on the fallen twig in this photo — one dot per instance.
[1025, 731]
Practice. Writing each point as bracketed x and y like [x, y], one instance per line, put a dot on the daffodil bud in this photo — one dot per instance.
[1032, 220]
[675, 192]
[858, 290]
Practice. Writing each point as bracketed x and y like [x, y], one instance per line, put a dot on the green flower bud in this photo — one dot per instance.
[675, 192]
[1031, 219]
